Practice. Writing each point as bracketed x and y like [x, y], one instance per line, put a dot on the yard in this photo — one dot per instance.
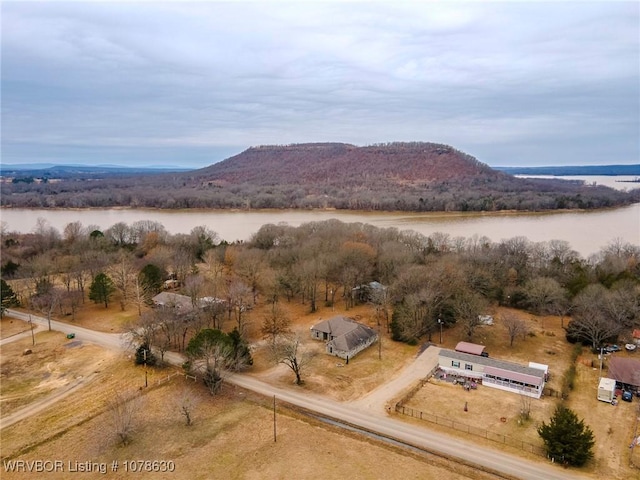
[57, 362]
[496, 414]
[232, 434]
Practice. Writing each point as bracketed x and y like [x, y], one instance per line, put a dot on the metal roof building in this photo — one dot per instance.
[508, 376]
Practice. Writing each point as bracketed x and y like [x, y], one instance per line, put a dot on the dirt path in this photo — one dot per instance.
[386, 395]
[18, 336]
[46, 402]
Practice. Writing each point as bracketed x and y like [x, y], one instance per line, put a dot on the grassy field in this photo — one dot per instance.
[233, 434]
[231, 437]
[498, 412]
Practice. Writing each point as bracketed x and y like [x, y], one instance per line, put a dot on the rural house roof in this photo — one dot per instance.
[168, 299]
[472, 348]
[344, 333]
[492, 366]
[350, 340]
[336, 326]
[625, 370]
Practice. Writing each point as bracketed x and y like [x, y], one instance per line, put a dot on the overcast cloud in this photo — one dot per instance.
[511, 83]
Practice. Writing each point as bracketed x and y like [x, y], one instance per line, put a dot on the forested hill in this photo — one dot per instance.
[396, 176]
[339, 164]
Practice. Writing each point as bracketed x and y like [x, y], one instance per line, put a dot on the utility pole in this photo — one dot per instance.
[274, 419]
[144, 352]
[33, 338]
[440, 323]
[601, 354]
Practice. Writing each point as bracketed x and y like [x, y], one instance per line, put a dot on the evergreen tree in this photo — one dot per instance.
[566, 438]
[101, 289]
[144, 355]
[8, 297]
[151, 278]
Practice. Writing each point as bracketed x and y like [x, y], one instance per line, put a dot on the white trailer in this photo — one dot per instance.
[606, 389]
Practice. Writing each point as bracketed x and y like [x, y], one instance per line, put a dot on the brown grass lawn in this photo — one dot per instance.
[232, 437]
[612, 425]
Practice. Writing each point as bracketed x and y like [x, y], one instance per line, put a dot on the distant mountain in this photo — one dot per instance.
[395, 176]
[316, 164]
[574, 170]
[50, 170]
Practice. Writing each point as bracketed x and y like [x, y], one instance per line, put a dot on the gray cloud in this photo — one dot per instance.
[508, 82]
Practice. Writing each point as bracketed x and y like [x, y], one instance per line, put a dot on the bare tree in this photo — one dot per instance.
[591, 321]
[467, 307]
[515, 326]
[525, 407]
[192, 286]
[287, 350]
[543, 293]
[122, 414]
[250, 265]
[238, 303]
[46, 302]
[215, 355]
[187, 402]
[124, 274]
[276, 322]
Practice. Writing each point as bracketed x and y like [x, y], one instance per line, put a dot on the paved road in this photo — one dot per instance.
[358, 415]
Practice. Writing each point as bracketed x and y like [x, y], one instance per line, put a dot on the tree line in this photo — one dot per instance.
[428, 280]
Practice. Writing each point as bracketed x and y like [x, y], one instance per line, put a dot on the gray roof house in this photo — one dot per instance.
[345, 337]
[174, 300]
[183, 302]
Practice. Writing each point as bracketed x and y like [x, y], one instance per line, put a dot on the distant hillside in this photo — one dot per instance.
[574, 170]
[337, 163]
[44, 170]
[396, 176]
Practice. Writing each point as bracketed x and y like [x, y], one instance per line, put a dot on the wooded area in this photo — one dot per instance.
[428, 279]
[391, 177]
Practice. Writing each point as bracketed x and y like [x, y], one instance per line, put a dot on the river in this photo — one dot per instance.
[585, 231]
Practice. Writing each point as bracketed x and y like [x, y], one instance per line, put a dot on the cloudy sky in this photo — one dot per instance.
[181, 83]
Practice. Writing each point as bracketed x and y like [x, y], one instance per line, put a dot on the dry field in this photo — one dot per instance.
[220, 442]
[232, 434]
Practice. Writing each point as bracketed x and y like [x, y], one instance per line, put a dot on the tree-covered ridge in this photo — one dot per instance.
[390, 177]
[339, 164]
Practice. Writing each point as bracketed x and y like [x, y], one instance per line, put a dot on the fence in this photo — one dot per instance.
[462, 427]
[634, 454]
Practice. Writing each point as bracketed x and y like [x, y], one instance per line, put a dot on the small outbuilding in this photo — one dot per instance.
[606, 390]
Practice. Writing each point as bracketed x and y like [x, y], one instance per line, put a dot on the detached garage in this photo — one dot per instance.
[625, 371]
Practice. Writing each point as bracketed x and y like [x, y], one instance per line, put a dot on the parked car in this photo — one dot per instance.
[611, 348]
[627, 396]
